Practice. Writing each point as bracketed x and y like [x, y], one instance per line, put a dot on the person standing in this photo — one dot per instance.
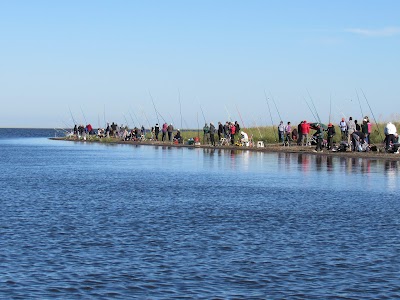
[331, 134]
[232, 129]
[281, 133]
[237, 126]
[220, 131]
[156, 131]
[305, 130]
[288, 133]
[320, 138]
[300, 137]
[170, 129]
[343, 129]
[164, 131]
[351, 128]
[206, 131]
[212, 132]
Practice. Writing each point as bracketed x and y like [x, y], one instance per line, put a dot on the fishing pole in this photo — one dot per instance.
[310, 108]
[126, 121]
[84, 117]
[372, 115]
[172, 119]
[203, 114]
[155, 109]
[276, 107]
[259, 131]
[136, 117]
[330, 107]
[312, 102]
[144, 113]
[270, 114]
[198, 126]
[133, 122]
[240, 116]
[104, 115]
[72, 116]
[229, 115]
[180, 106]
[359, 102]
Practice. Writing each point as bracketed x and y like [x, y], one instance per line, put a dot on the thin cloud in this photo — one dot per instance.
[385, 32]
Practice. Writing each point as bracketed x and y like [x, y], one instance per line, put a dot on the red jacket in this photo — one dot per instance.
[305, 128]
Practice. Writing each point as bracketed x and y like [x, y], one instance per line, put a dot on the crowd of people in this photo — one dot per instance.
[353, 136]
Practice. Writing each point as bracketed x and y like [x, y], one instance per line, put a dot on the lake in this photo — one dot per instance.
[91, 221]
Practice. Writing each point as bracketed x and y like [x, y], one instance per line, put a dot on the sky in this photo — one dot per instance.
[190, 62]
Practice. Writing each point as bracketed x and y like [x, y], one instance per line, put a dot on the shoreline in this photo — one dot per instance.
[266, 149]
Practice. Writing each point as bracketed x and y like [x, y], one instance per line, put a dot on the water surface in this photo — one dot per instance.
[91, 221]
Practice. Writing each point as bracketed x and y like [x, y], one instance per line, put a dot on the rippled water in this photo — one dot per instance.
[88, 221]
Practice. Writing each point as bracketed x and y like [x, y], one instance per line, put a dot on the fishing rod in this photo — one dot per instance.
[270, 114]
[330, 107]
[72, 116]
[136, 117]
[203, 114]
[229, 115]
[259, 131]
[359, 102]
[104, 115]
[198, 126]
[126, 121]
[312, 102]
[172, 119]
[240, 116]
[180, 106]
[133, 122]
[84, 117]
[155, 109]
[372, 115]
[310, 108]
[276, 107]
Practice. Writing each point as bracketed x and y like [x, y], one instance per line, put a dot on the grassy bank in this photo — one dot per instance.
[268, 134]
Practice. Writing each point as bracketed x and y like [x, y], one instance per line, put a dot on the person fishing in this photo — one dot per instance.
[331, 133]
[232, 129]
[351, 128]
[343, 129]
[164, 131]
[206, 131]
[170, 129]
[281, 133]
[220, 131]
[320, 137]
[288, 133]
[212, 132]
[156, 131]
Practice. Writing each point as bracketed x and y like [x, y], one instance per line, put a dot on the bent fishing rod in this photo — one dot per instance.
[312, 102]
[84, 117]
[240, 116]
[359, 102]
[276, 107]
[270, 114]
[203, 114]
[72, 116]
[372, 115]
[308, 105]
[155, 109]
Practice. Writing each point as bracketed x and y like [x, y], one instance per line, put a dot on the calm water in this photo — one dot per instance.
[86, 221]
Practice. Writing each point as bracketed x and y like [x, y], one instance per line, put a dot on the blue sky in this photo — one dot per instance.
[218, 56]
